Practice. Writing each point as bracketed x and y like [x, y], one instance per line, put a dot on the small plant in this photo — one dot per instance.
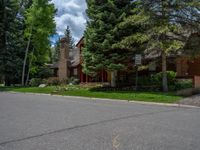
[183, 84]
[73, 81]
[171, 77]
[45, 72]
[53, 81]
[34, 82]
[145, 81]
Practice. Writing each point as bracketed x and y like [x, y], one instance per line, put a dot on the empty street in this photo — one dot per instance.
[42, 122]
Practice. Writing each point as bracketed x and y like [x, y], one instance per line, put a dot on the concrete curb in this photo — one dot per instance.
[110, 100]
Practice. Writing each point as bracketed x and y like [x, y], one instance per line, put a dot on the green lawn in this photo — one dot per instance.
[86, 92]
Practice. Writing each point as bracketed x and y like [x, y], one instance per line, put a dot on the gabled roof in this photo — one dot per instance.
[80, 41]
[74, 57]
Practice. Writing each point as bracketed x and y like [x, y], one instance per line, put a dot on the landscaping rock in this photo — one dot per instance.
[42, 85]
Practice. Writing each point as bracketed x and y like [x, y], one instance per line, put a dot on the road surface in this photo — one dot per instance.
[39, 122]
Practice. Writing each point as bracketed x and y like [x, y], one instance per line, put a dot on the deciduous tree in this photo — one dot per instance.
[40, 25]
[165, 27]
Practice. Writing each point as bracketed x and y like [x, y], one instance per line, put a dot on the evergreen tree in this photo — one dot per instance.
[101, 33]
[68, 35]
[164, 26]
[11, 40]
[56, 51]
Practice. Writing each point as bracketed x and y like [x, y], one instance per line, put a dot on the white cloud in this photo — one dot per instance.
[71, 13]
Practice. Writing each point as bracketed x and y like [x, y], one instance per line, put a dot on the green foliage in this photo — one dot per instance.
[35, 82]
[69, 37]
[11, 40]
[154, 82]
[52, 81]
[160, 25]
[158, 97]
[73, 80]
[156, 79]
[40, 25]
[182, 84]
[101, 33]
[145, 81]
[192, 46]
[56, 52]
[171, 78]
[45, 72]
[19, 18]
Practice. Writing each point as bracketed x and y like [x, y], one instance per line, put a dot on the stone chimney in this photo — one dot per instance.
[63, 60]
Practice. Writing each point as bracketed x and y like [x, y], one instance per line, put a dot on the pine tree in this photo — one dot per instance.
[68, 35]
[11, 40]
[167, 19]
[56, 51]
[164, 25]
[101, 34]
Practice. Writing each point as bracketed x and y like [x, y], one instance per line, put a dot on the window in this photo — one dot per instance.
[75, 71]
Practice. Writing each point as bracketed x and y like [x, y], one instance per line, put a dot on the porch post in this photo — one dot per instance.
[86, 78]
[81, 76]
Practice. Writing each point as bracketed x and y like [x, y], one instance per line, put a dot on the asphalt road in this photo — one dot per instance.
[38, 122]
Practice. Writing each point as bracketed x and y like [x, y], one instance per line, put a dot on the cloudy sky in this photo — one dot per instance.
[72, 13]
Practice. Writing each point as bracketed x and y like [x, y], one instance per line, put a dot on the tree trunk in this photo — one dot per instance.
[25, 59]
[28, 74]
[4, 43]
[164, 72]
[113, 78]
[7, 81]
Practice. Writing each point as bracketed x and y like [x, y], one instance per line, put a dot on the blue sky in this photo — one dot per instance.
[72, 13]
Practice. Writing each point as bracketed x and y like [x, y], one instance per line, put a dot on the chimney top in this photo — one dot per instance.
[64, 40]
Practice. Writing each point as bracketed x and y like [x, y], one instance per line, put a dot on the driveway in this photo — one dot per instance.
[193, 100]
[38, 122]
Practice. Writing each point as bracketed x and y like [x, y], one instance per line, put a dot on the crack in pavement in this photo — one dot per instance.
[85, 125]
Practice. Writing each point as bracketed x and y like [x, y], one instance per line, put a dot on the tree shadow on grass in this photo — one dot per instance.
[130, 91]
[8, 88]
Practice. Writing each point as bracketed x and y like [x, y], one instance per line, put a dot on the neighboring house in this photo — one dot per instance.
[102, 76]
[70, 65]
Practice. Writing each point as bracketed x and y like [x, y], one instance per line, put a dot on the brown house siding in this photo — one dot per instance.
[187, 67]
[194, 67]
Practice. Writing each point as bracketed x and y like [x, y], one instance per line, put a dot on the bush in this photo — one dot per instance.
[171, 78]
[45, 72]
[35, 82]
[73, 80]
[183, 84]
[52, 81]
[145, 81]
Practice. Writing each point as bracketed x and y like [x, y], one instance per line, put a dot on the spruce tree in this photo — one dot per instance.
[68, 35]
[11, 40]
[56, 51]
[101, 34]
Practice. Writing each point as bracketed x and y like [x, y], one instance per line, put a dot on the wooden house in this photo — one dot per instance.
[70, 65]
